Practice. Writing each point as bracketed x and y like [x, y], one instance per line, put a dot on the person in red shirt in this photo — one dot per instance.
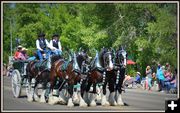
[16, 55]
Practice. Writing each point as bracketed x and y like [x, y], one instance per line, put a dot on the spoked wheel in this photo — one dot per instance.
[16, 83]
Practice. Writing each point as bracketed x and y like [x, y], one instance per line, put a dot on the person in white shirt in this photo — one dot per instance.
[56, 44]
[42, 46]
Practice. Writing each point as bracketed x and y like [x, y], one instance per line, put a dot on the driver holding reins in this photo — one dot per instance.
[42, 46]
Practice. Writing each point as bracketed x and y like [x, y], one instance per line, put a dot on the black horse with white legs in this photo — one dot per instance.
[101, 64]
[115, 83]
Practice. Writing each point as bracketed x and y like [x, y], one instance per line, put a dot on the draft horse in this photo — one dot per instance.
[38, 72]
[67, 74]
[97, 74]
[115, 97]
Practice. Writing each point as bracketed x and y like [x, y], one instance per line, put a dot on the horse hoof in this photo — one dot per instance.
[70, 103]
[107, 103]
[83, 105]
[62, 101]
[120, 103]
[52, 100]
[93, 103]
[30, 99]
[113, 103]
[42, 100]
[37, 99]
[76, 101]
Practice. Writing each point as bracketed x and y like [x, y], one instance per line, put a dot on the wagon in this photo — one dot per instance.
[19, 78]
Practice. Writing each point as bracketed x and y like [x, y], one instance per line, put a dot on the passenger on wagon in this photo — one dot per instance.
[19, 48]
[24, 52]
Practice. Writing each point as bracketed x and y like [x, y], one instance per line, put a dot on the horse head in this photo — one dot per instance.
[121, 57]
[83, 60]
[106, 57]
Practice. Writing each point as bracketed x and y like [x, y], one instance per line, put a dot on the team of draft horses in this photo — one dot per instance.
[76, 78]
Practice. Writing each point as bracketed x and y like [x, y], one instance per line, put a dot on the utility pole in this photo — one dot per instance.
[11, 35]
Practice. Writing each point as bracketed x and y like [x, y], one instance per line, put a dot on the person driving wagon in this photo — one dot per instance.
[55, 43]
[42, 46]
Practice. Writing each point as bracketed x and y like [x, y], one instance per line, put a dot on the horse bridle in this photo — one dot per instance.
[120, 55]
[84, 64]
[105, 56]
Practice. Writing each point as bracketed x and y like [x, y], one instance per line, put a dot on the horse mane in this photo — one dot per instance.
[101, 54]
[80, 59]
[55, 58]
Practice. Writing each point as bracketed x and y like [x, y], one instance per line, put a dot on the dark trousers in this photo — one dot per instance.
[161, 85]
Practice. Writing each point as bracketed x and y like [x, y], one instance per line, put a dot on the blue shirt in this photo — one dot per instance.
[160, 74]
[138, 78]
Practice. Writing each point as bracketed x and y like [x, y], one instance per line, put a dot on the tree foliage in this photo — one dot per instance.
[149, 31]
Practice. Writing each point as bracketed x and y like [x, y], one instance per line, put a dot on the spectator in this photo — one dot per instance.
[170, 81]
[128, 80]
[138, 78]
[167, 67]
[160, 77]
[149, 75]
[154, 81]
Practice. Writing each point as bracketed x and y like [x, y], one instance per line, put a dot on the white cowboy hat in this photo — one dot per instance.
[24, 49]
[19, 46]
[139, 73]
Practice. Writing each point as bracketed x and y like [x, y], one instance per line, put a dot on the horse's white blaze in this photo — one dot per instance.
[124, 56]
[125, 61]
[119, 100]
[42, 98]
[110, 62]
[70, 103]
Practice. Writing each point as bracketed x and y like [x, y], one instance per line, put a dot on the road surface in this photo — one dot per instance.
[136, 100]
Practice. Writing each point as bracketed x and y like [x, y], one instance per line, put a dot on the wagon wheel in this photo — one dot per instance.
[16, 83]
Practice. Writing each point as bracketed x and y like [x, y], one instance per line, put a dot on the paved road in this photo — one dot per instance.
[136, 99]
